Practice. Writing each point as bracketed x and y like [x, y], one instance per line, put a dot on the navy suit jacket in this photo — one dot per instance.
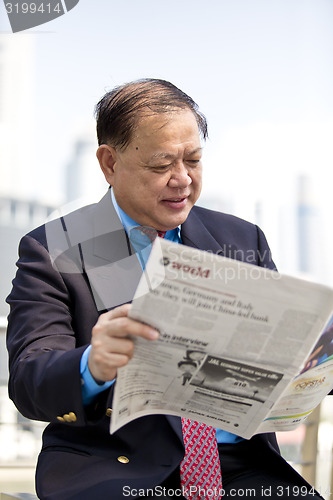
[69, 271]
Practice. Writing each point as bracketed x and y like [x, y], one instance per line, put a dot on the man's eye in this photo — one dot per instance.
[193, 162]
[161, 168]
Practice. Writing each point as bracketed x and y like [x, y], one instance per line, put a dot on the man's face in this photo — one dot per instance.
[157, 178]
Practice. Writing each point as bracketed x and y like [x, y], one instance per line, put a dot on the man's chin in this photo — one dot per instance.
[173, 222]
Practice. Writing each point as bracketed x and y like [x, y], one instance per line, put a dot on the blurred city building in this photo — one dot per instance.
[17, 217]
[310, 254]
[84, 180]
[16, 114]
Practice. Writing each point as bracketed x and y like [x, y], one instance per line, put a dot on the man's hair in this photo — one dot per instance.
[119, 110]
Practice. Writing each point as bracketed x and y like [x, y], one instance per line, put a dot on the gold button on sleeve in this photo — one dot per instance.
[68, 417]
[123, 460]
[108, 412]
[72, 416]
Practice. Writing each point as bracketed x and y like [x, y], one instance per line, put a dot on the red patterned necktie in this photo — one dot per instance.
[150, 232]
[200, 471]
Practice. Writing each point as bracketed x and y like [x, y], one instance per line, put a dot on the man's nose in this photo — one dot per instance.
[179, 176]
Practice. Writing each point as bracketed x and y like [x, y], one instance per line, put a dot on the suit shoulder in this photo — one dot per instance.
[46, 232]
[237, 237]
[212, 217]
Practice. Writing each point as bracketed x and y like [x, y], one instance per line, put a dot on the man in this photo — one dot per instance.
[69, 328]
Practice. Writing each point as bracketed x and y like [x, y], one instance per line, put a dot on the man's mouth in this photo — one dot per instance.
[176, 202]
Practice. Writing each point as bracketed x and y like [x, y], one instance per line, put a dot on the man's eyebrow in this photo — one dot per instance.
[162, 156]
[169, 156]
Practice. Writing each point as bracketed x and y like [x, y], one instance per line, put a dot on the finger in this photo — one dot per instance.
[103, 368]
[133, 328]
[117, 312]
[105, 359]
[123, 327]
[112, 345]
[111, 360]
[107, 370]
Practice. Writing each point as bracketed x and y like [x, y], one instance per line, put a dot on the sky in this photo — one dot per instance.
[260, 70]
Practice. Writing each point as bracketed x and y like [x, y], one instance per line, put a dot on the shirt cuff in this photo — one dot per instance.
[90, 388]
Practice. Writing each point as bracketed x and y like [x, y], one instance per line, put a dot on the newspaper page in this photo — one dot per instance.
[233, 336]
[307, 390]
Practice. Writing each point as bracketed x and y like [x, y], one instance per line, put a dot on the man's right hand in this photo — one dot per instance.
[111, 345]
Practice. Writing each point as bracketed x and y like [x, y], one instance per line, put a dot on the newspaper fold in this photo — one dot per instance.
[239, 345]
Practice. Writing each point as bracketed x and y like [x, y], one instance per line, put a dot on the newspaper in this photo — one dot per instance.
[237, 348]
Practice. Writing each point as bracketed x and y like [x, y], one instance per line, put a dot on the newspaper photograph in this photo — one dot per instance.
[307, 390]
[234, 337]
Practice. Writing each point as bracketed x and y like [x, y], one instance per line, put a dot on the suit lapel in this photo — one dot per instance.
[195, 234]
[111, 265]
[176, 424]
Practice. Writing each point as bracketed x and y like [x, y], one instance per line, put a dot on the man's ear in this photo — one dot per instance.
[106, 156]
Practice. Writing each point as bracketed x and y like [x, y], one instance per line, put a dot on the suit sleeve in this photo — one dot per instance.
[44, 342]
[264, 253]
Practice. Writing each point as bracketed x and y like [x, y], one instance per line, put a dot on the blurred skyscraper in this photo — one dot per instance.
[311, 248]
[17, 217]
[85, 181]
[16, 114]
